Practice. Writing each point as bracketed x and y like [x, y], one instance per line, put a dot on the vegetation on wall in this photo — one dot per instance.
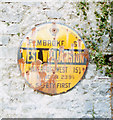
[95, 39]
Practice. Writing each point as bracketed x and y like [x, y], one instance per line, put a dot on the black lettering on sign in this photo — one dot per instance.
[77, 70]
[62, 69]
[62, 42]
[31, 56]
[44, 42]
[75, 43]
[39, 42]
[40, 55]
[63, 85]
[49, 43]
[67, 77]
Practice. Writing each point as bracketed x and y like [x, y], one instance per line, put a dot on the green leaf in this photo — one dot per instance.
[7, 24]
[18, 34]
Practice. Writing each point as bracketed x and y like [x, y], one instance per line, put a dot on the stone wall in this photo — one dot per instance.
[89, 96]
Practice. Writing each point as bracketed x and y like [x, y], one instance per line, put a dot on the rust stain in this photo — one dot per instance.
[54, 30]
[27, 40]
[33, 43]
[33, 29]
[42, 76]
[21, 63]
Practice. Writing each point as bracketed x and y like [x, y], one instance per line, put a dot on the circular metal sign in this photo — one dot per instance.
[52, 58]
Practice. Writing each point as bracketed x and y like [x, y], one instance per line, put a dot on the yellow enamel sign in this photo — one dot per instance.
[52, 58]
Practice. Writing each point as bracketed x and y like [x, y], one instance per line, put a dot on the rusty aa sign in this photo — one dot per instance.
[52, 58]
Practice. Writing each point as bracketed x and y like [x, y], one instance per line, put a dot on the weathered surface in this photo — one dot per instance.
[15, 21]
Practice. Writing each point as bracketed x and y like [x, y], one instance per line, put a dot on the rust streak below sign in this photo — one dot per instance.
[52, 58]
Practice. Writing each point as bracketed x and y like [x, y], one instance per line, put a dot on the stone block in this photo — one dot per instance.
[9, 52]
[12, 13]
[3, 25]
[90, 73]
[1, 55]
[54, 14]
[5, 39]
[13, 29]
[9, 29]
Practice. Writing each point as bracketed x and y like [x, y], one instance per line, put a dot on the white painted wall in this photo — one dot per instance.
[20, 17]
